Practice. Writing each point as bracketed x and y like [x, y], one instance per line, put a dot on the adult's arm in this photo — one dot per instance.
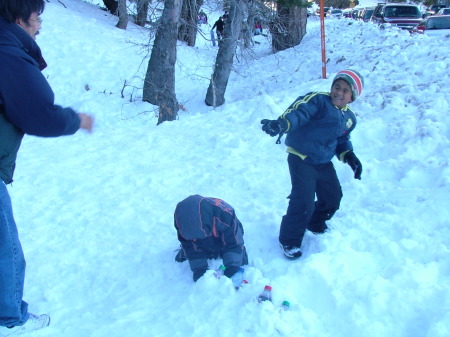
[30, 103]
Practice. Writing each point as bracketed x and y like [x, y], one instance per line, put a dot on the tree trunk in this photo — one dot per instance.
[123, 15]
[288, 28]
[142, 10]
[187, 30]
[159, 84]
[227, 50]
[248, 25]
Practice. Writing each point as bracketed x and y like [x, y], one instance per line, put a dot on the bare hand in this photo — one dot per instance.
[86, 122]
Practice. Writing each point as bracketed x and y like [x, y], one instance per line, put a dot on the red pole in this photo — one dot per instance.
[322, 39]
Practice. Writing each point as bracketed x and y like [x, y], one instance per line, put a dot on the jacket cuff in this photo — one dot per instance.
[342, 156]
[288, 122]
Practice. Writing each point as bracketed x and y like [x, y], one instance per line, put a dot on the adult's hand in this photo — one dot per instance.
[86, 122]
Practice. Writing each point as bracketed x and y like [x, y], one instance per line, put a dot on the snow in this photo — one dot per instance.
[95, 211]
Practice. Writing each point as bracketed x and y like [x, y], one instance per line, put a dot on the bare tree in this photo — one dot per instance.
[159, 84]
[187, 28]
[123, 15]
[289, 25]
[142, 10]
[215, 95]
[258, 12]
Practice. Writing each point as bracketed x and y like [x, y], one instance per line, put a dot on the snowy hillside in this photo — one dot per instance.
[95, 212]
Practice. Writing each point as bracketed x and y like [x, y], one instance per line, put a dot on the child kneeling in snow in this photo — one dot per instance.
[208, 228]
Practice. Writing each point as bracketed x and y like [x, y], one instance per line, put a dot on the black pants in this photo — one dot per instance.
[308, 182]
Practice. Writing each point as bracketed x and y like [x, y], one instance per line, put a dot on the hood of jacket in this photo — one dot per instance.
[190, 218]
[15, 40]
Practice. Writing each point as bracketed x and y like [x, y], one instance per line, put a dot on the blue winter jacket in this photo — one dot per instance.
[26, 99]
[318, 130]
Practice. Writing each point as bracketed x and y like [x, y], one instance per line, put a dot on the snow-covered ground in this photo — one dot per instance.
[95, 211]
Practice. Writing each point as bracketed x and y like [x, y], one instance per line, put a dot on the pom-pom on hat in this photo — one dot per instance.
[354, 79]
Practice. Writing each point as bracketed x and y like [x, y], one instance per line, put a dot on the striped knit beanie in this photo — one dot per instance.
[354, 79]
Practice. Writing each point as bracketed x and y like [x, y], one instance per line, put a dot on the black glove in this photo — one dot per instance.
[230, 271]
[351, 159]
[198, 273]
[274, 127]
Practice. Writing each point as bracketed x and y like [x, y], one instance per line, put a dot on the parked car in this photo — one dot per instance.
[433, 9]
[403, 16]
[359, 14]
[334, 13]
[367, 14]
[347, 13]
[325, 11]
[436, 25]
[444, 11]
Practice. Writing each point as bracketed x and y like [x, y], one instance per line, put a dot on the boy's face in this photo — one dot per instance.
[341, 93]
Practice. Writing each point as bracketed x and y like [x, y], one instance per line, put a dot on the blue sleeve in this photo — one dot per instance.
[29, 101]
[232, 234]
[344, 144]
[196, 256]
[301, 111]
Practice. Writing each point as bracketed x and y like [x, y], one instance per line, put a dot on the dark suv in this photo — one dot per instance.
[401, 15]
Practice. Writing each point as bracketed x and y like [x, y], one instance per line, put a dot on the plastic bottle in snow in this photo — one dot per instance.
[238, 278]
[285, 305]
[219, 272]
[266, 295]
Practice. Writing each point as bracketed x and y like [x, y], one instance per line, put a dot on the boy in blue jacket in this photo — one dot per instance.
[317, 127]
[208, 228]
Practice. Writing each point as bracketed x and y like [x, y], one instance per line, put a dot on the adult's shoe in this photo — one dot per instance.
[34, 322]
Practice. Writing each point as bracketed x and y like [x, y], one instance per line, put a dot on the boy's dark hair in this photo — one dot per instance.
[11, 10]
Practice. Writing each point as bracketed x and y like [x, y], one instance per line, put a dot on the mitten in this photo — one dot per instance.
[230, 271]
[274, 127]
[181, 255]
[198, 273]
[351, 159]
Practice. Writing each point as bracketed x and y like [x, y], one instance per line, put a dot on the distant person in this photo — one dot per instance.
[112, 6]
[258, 29]
[225, 16]
[208, 228]
[26, 107]
[202, 18]
[318, 127]
[219, 24]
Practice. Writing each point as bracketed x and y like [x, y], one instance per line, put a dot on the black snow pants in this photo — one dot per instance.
[304, 211]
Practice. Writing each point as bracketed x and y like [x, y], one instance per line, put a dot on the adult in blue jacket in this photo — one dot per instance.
[208, 228]
[26, 107]
[318, 127]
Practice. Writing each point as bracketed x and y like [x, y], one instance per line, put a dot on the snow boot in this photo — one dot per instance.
[291, 252]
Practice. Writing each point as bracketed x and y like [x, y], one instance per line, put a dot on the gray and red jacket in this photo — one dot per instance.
[208, 226]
